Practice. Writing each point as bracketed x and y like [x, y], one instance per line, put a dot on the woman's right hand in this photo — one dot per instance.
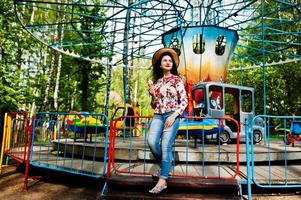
[151, 88]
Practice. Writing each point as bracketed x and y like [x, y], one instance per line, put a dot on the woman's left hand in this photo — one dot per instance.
[170, 120]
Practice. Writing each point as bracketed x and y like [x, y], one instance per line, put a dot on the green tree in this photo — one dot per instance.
[141, 73]
[279, 44]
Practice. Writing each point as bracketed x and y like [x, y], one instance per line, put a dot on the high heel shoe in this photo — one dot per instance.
[158, 189]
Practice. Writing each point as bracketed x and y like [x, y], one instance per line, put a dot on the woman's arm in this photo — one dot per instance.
[152, 92]
[182, 96]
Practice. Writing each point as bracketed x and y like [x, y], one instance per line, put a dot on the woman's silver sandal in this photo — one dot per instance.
[158, 189]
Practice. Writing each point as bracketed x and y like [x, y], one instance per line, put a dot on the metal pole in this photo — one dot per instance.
[247, 134]
[125, 61]
[263, 57]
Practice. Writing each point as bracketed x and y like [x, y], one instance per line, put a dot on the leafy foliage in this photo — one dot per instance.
[140, 74]
[282, 81]
[25, 63]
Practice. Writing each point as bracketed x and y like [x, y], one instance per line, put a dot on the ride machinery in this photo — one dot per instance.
[206, 34]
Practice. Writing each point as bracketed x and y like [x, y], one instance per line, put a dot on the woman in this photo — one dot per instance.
[169, 100]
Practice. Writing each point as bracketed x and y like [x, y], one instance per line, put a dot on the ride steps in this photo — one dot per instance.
[137, 187]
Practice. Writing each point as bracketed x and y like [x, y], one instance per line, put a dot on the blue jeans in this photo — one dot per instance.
[160, 141]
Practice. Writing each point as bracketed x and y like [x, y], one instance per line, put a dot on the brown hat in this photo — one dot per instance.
[161, 51]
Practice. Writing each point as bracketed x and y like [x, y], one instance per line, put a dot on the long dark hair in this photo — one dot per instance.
[157, 70]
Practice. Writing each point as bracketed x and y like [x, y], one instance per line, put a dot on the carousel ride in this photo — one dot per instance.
[207, 35]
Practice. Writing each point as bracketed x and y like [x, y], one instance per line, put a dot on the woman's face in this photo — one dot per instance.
[166, 63]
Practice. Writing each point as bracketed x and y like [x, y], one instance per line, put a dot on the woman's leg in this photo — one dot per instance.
[153, 140]
[168, 139]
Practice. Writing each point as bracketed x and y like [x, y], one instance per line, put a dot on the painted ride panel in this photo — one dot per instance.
[204, 51]
[197, 126]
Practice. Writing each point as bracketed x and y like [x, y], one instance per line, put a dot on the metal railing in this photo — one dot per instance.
[274, 162]
[193, 157]
[83, 144]
[74, 143]
[15, 138]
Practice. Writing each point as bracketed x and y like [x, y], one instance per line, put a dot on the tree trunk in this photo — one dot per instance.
[85, 84]
[59, 66]
[52, 65]
[19, 55]
[32, 13]
[57, 83]
[49, 77]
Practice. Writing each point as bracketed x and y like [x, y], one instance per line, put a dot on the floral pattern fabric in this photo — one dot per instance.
[170, 95]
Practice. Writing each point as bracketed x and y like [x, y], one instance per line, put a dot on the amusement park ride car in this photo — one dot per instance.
[294, 133]
[129, 124]
[234, 102]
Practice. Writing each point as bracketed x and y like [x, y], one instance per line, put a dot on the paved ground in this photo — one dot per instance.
[276, 197]
[61, 186]
[52, 187]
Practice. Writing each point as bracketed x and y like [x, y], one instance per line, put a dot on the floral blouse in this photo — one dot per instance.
[170, 95]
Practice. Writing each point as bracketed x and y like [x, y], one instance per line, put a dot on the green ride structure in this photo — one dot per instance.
[208, 35]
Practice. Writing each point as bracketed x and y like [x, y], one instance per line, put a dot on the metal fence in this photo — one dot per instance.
[81, 143]
[274, 163]
[15, 138]
[75, 143]
[193, 157]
